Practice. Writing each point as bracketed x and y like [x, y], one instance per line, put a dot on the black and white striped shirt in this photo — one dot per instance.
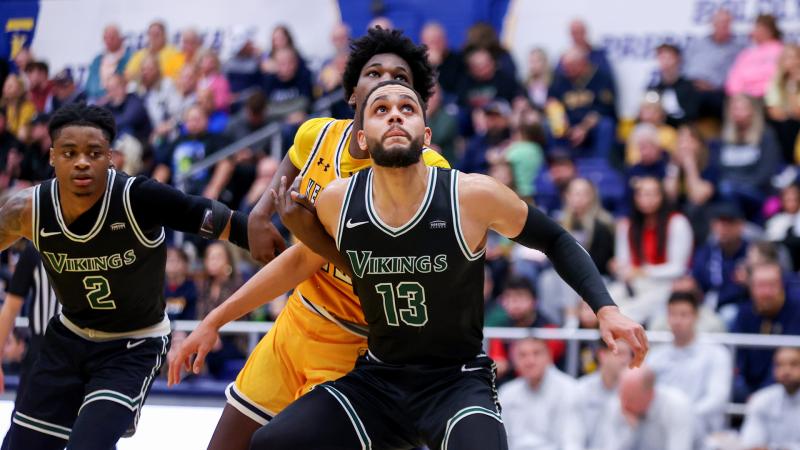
[30, 281]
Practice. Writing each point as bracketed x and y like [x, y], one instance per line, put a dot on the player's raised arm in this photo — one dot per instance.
[266, 241]
[280, 275]
[500, 209]
[15, 218]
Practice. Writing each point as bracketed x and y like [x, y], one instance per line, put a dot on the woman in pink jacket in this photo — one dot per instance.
[756, 65]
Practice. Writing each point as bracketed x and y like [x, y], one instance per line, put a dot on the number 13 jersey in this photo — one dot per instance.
[420, 286]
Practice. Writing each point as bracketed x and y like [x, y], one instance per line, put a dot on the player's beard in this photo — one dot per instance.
[398, 156]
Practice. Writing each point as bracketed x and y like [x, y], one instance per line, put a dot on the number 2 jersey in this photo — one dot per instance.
[111, 278]
[420, 285]
[321, 153]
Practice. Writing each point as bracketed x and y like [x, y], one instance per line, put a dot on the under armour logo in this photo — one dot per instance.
[438, 225]
[117, 226]
[321, 162]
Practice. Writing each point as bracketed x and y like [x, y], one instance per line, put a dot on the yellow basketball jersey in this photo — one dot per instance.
[321, 152]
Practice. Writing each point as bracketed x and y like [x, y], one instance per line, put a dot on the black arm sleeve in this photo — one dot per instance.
[22, 280]
[569, 259]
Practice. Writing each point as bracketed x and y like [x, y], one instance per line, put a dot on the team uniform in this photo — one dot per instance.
[321, 331]
[111, 337]
[424, 379]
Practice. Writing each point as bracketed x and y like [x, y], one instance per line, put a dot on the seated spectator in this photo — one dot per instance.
[265, 171]
[281, 40]
[536, 404]
[443, 122]
[540, 75]
[579, 34]
[770, 311]
[128, 109]
[756, 65]
[587, 97]
[112, 59]
[161, 98]
[677, 94]
[715, 262]
[707, 62]
[592, 395]
[288, 89]
[217, 118]
[242, 68]
[192, 147]
[35, 166]
[703, 372]
[170, 59]
[782, 100]
[448, 64]
[773, 412]
[653, 160]
[40, 88]
[708, 321]
[65, 91]
[14, 351]
[651, 112]
[691, 179]
[19, 110]
[331, 91]
[653, 248]
[526, 152]
[779, 225]
[484, 83]
[492, 131]
[8, 145]
[191, 46]
[647, 416]
[591, 225]
[749, 157]
[560, 171]
[212, 79]
[180, 292]
[482, 35]
[518, 301]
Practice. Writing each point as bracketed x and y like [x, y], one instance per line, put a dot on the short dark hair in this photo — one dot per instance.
[684, 297]
[37, 65]
[518, 282]
[377, 41]
[83, 115]
[256, 102]
[398, 83]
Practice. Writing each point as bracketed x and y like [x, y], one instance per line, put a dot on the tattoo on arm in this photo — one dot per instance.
[14, 217]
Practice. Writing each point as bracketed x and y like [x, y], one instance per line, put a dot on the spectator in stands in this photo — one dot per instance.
[443, 122]
[560, 171]
[691, 179]
[193, 146]
[756, 65]
[540, 76]
[715, 262]
[170, 58]
[749, 157]
[770, 311]
[217, 118]
[35, 166]
[519, 304]
[483, 36]
[707, 62]
[128, 109]
[653, 248]
[14, 350]
[651, 112]
[212, 79]
[329, 86]
[242, 68]
[65, 91]
[265, 170]
[111, 60]
[774, 412]
[21, 60]
[526, 152]
[8, 142]
[340, 38]
[653, 160]
[281, 40]
[492, 131]
[180, 291]
[708, 321]
[483, 82]
[536, 404]
[647, 416]
[782, 100]
[187, 88]
[448, 64]
[191, 46]
[161, 98]
[703, 372]
[592, 396]
[19, 110]
[39, 85]
[678, 96]
[288, 89]
[591, 225]
[588, 98]
[780, 225]
[579, 35]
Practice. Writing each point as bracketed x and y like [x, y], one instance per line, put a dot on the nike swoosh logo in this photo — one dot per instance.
[351, 224]
[464, 368]
[43, 233]
[132, 344]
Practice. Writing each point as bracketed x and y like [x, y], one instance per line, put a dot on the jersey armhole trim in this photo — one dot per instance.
[315, 149]
[343, 210]
[462, 240]
[140, 236]
[337, 166]
[35, 217]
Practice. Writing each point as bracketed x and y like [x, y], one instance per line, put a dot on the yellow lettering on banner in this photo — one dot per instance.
[19, 24]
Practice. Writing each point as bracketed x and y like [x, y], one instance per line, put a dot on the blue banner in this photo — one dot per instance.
[18, 19]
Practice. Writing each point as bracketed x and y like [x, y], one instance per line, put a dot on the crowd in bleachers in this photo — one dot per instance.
[690, 210]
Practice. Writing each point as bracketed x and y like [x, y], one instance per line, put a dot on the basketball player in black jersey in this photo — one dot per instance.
[414, 237]
[101, 237]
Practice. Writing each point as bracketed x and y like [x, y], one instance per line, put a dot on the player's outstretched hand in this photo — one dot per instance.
[199, 343]
[265, 240]
[614, 325]
[296, 211]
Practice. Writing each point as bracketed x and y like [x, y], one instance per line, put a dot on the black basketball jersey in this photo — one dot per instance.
[420, 286]
[112, 278]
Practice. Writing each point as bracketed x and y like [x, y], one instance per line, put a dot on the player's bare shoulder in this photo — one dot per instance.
[15, 217]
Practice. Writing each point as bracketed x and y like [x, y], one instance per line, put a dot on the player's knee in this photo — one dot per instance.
[476, 432]
[272, 438]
